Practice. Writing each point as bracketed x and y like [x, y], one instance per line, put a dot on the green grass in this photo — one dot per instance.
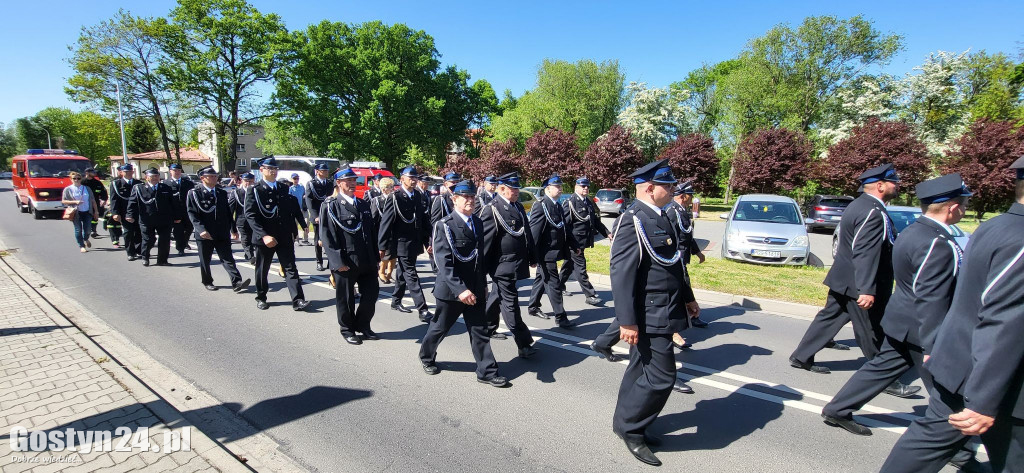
[802, 284]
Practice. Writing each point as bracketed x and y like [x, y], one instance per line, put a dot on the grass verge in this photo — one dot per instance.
[802, 284]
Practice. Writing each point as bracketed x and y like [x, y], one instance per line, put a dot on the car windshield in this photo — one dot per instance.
[772, 212]
[525, 196]
[835, 202]
[56, 167]
[903, 218]
[605, 194]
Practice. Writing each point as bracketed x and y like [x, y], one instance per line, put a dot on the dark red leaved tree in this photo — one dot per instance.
[871, 144]
[461, 164]
[693, 157]
[983, 157]
[770, 160]
[549, 152]
[499, 157]
[612, 158]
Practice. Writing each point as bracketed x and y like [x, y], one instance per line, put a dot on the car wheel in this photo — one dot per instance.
[17, 201]
[835, 246]
[36, 214]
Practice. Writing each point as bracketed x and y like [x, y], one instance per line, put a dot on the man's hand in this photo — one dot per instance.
[234, 236]
[969, 422]
[629, 334]
[116, 217]
[381, 255]
[269, 241]
[693, 309]
[467, 297]
[430, 249]
[578, 251]
[316, 220]
[129, 220]
[177, 221]
[926, 357]
[205, 235]
[865, 301]
[343, 269]
[700, 258]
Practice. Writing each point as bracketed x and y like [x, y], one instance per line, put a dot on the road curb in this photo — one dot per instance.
[785, 309]
[167, 394]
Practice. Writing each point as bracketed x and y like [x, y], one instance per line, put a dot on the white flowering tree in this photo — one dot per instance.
[654, 116]
[935, 99]
[865, 98]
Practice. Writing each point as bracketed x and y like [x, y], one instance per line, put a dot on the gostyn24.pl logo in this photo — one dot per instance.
[122, 439]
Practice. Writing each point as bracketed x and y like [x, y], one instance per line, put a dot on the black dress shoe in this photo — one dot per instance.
[401, 308]
[899, 389]
[300, 305]
[133, 258]
[652, 440]
[241, 286]
[527, 352]
[145, 263]
[162, 263]
[566, 293]
[499, 336]
[496, 381]
[684, 346]
[536, 312]
[641, 451]
[210, 287]
[352, 339]
[181, 252]
[563, 322]
[425, 316]
[836, 346]
[849, 424]
[370, 335]
[605, 352]
[697, 322]
[681, 387]
[595, 301]
[319, 266]
[808, 366]
[262, 305]
[431, 368]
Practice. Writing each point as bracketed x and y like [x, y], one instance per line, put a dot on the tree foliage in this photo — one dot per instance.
[693, 157]
[372, 90]
[281, 138]
[8, 145]
[497, 158]
[611, 158]
[551, 152]
[983, 157]
[141, 135]
[582, 98]
[871, 144]
[653, 116]
[771, 160]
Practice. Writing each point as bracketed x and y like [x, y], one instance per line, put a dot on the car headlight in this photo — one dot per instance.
[799, 241]
[734, 237]
[44, 194]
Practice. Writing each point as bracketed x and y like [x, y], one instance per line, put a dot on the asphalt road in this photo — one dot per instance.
[710, 232]
[336, 407]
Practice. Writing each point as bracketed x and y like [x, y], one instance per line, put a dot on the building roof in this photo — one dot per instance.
[187, 154]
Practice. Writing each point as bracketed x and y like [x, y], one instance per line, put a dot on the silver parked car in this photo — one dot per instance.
[902, 217]
[611, 201]
[767, 229]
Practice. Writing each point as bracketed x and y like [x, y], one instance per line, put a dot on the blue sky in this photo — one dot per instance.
[504, 42]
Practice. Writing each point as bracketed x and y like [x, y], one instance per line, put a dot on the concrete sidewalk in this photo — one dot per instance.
[55, 378]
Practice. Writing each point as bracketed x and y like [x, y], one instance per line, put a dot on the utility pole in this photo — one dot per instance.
[49, 145]
[120, 120]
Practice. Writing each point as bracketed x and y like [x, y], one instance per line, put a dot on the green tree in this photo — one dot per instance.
[281, 139]
[582, 98]
[93, 135]
[8, 145]
[991, 90]
[219, 53]
[141, 136]
[123, 50]
[703, 100]
[373, 90]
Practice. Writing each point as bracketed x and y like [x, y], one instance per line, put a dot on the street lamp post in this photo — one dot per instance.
[49, 145]
[120, 119]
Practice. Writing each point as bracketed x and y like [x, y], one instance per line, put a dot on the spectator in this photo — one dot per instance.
[80, 198]
[298, 191]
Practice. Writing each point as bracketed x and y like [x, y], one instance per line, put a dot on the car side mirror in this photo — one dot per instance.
[724, 216]
[809, 221]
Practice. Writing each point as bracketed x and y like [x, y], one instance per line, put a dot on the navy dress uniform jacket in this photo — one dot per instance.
[682, 218]
[457, 250]
[926, 263]
[180, 189]
[153, 206]
[978, 352]
[584, 219]
[317, 191]
[508, 243]
[863, 262]
[550, 234]
[271, 210]
[120, 192]
[647, 293]
[405, 225]
[209, 211]
[349, 234]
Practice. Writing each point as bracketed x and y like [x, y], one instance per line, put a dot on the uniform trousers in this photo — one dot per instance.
[894, 359]
[547, 282]
[408, 278]
[285, 251]
[113, 228]
[646, 385]
[182, 233]
[317, 248]
[610, 336]
[227, 259]
[350, 318]
[504, 298]
[931, 441]
[840, 309]
[132, 237]
[576, 265]
[158, 236]
[245, 237]
[445, 316]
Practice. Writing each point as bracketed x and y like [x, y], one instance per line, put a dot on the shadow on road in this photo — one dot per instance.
[26, 330]
[707, 417]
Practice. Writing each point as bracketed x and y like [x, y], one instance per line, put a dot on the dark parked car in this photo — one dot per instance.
[611, 201]
[826, 211]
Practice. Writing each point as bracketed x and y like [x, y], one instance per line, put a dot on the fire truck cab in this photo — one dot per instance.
[40, 176]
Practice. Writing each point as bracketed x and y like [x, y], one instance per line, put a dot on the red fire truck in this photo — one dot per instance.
[40, 176]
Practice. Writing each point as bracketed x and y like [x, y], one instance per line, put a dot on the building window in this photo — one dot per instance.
[240, 148]
[241, 132]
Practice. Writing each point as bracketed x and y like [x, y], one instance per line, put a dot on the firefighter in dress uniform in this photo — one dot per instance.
[584, 222]
[120, 192]
[208, 209]
[153, 205]
[318, 189]
[547, 223]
